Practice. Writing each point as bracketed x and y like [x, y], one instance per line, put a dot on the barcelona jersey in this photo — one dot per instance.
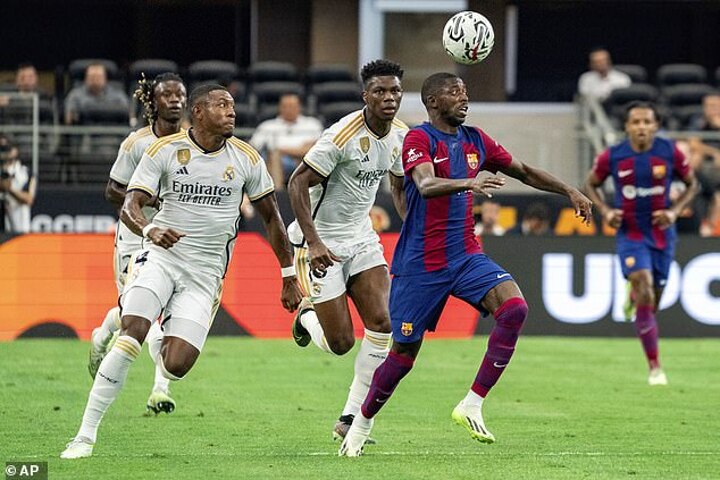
[439, 230]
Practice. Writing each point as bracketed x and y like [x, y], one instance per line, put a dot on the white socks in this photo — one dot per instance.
[108, 382]
[374, 349]
[154, 342]
[473, 398]
[109, 325]
[310, 321]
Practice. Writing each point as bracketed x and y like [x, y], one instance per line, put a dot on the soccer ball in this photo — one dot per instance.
[468, 37]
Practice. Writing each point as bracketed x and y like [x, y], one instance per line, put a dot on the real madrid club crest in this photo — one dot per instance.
[365, 144]
[472, 160]
[183, 156]
[395, 153]
[229, 174]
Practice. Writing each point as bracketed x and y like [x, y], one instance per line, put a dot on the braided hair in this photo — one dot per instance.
[145, 93]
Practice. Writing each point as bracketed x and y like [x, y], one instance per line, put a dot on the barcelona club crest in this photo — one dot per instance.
[229, 174]
[183, 156]
[406, 329]
[630, 262]
[472, 160]
[659, 171]
[364, 144]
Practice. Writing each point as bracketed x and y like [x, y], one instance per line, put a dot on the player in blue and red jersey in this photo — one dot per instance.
[642, 168]
[437, 254]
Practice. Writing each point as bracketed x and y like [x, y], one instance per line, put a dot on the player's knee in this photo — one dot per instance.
[512, 313]
[378, 323]
[173, 369]
[135, 327]
[341, 344]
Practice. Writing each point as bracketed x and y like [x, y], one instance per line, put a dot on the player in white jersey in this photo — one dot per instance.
[337, 253]
[163, 100]
[200, 176]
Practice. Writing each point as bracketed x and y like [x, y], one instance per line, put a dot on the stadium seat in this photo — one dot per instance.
[244, 116]
[104, 115]
[266, 112]
[683, 117]
[212, 71]
[268, 93]
[328, 73]
[151, 67]
[261, 72]
[677, 73]
[686, 94]
[717, 77]
[77, 68]
[620, 97]
[637, 73]
[332, 112]
[334, 92]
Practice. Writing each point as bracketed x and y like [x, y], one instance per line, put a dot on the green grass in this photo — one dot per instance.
[566, 408]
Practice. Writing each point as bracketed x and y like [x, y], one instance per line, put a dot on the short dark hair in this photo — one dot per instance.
[434, 83]
[380, 68]
[145, 93]
[640, 104]
[200, 93]
[25, 65]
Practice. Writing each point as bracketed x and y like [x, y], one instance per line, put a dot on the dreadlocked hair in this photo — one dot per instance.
[145, 93]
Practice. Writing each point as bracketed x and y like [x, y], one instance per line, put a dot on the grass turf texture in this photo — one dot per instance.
[566, 408]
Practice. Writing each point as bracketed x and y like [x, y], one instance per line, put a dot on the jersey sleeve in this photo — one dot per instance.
[681, 165]
[601, 166]
[396, 168]
[496, 157]
[125, 162]
[416, 150]
[148, 173]
[258, 182]
[324, 156]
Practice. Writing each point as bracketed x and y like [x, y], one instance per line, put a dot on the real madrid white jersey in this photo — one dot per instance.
[354, 161]
[201, 193]
[129, 155]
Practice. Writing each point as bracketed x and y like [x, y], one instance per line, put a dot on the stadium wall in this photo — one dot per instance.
[62, 285]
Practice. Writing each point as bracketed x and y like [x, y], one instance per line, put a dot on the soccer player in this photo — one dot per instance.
[437, 254]
[337, 251]
[642, 168]
[200, 175]
[164, 100]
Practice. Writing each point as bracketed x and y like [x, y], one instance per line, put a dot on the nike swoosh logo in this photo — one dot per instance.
[438, 160]
[503, 275]
[624, 173]
[381, 400]
[497, 365]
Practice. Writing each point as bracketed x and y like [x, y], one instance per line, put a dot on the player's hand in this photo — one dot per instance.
[291, 294]
[484, 184]
[582, 205]
[613, 217]
[321, 258]
[165, 237]
[664, 218]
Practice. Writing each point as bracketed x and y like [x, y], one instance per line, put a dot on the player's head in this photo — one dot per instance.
[164, 97]
[382, 88]
[213, 110]
[599, 60]
[445, 98]
[641, 123]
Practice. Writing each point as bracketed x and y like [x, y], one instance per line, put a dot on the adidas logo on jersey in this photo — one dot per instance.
[182, 171]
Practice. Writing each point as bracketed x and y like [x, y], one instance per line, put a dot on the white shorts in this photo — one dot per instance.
[355, 259]
[120, 268]
[189, 299]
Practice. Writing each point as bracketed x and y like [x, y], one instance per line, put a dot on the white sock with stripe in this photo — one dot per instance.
[154, 342]
[110, 324]
[108, 383]
[310, 321]
[374, 349]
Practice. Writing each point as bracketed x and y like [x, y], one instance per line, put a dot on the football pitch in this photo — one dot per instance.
[566, 408]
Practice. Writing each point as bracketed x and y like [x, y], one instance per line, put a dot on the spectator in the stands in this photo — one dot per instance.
[705, 153]
[535, 221]
[284, 140]
[95, 91]
[17, 189]
[26, 82]
[602, 77]
[489, 216]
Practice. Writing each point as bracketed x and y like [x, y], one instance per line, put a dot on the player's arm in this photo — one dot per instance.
[268, 208]
[397, 187]
[131, 215]
[300, 182]
[115, 192]
[430, 186]
[681, 168]
[593, 188]
[542, 180]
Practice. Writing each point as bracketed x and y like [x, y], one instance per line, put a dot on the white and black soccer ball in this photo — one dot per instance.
[468, 37]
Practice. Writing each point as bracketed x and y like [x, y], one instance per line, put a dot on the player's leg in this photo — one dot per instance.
[369, 289]
[416, 303]
[481, 282]
[159, 399]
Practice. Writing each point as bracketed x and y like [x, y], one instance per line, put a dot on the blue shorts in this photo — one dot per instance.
[634, 256]
[416, 301]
